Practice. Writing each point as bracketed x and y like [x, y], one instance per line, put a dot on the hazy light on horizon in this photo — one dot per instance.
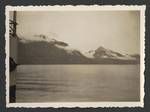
[85, 30]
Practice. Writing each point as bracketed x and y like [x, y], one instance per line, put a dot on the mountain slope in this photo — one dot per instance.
[102, 52]
[44, 50]
[48, 52]
[106, 56]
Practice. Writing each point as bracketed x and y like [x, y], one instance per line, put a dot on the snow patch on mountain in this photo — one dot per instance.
[68, 49]
[104, 53]
[35, 38]
[89, 54]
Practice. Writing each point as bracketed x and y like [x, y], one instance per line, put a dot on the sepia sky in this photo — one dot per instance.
[85, 30]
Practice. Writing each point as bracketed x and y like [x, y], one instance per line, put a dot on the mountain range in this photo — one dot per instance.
[44, 50]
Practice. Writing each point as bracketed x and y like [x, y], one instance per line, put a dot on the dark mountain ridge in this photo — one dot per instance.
[57, 52]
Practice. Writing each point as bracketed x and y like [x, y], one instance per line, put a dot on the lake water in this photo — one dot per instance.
[72, 83]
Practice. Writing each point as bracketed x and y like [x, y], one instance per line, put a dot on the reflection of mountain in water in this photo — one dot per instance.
[44, 50]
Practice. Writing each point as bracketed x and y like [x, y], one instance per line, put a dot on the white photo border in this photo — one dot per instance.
[140, 8]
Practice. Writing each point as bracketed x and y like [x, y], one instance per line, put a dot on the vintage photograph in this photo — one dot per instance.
[79, 56]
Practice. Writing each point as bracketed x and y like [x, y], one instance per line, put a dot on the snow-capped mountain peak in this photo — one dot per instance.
[55, 50]
[103, 53]
[39, 37]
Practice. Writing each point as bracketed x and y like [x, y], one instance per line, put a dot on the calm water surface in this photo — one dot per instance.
[62, 83]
